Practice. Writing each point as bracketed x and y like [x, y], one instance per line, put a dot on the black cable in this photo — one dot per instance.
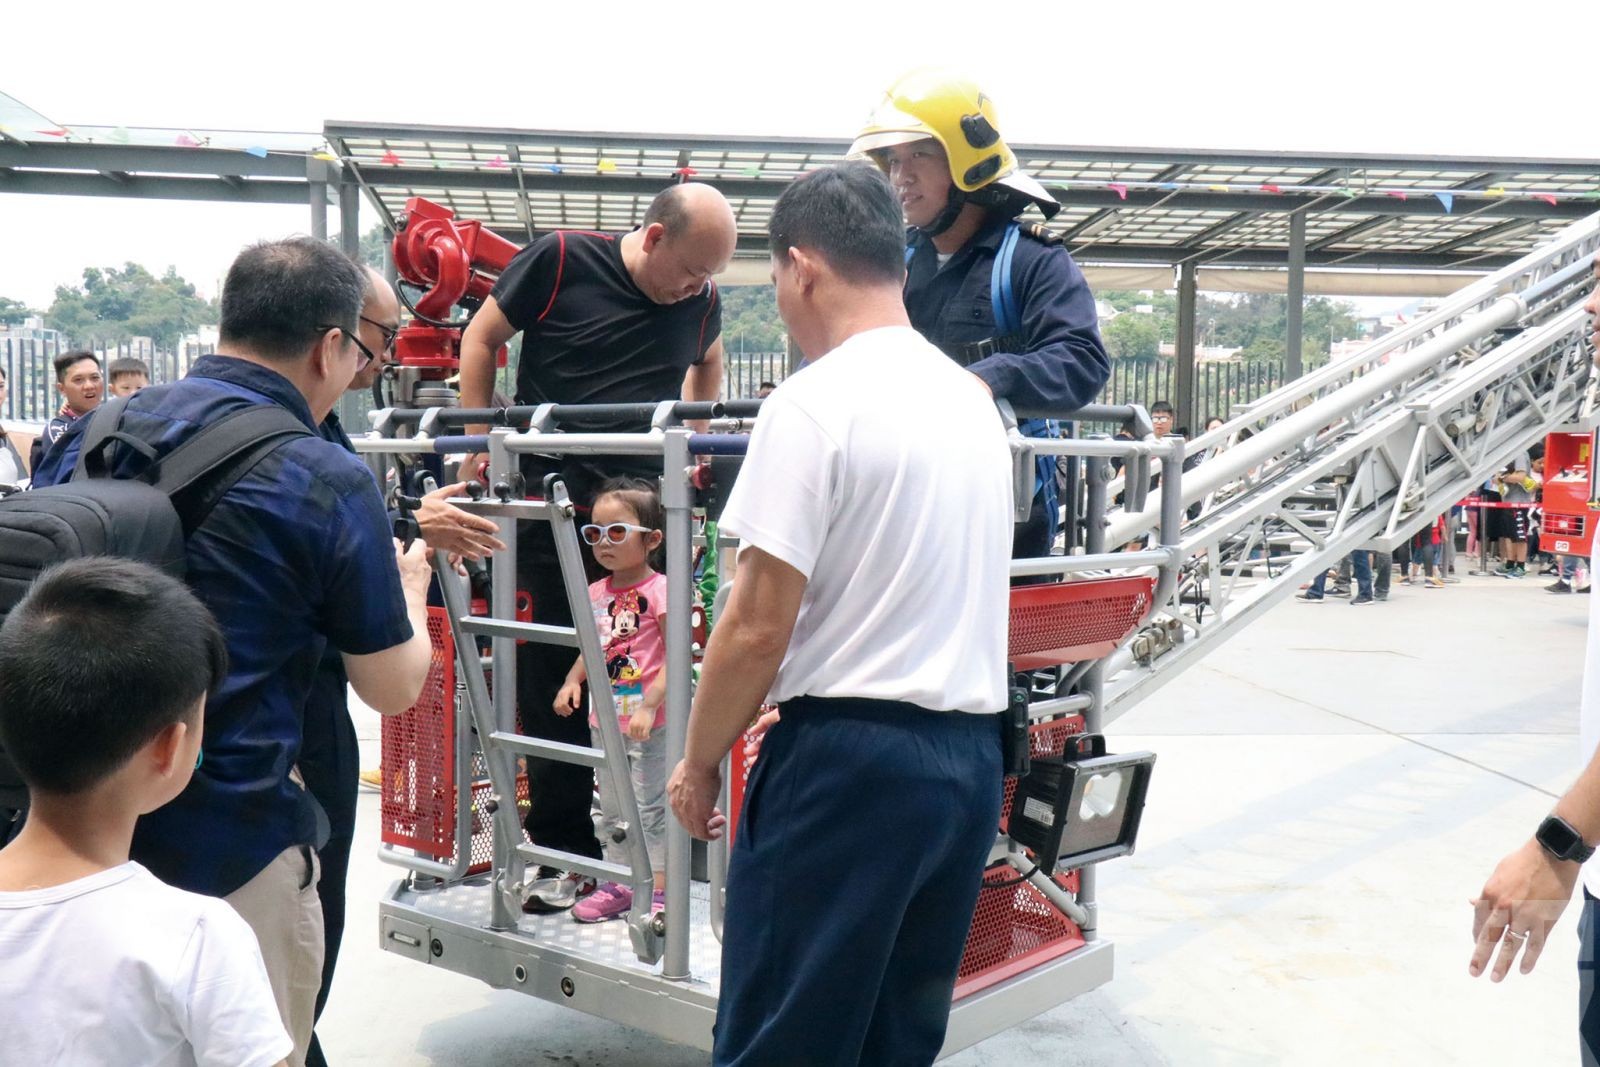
[441, 323]
[1018, 880]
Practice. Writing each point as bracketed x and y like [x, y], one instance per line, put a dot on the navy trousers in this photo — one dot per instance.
[852, 882]
[1588, 1005]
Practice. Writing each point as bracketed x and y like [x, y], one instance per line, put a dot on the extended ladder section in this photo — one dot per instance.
[1362, 453]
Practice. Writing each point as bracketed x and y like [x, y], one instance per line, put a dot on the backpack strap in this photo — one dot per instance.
[105, 425]
[200, 471]
[1007, 319]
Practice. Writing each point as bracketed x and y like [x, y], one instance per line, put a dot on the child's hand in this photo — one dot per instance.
[640, 722]
[569, 699]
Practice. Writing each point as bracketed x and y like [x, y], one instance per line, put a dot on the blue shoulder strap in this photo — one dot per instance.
[1007, 320]
[911, 250]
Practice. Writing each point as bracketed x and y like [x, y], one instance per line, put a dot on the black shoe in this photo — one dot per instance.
[1558, 587]
[1361, 599]
[1309, 597]
[1339, 590]
[1380, 597]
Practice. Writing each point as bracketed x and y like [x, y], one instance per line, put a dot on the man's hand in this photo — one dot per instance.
[447, 528]
[414, 570]
[693, 795]
[640, 723]
[1518, 907]
[475, 468]
[569, 699]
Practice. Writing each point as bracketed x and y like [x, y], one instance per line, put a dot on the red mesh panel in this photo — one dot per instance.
[1067, 622]
[1016, 928]
[418, 801]
[745, 751]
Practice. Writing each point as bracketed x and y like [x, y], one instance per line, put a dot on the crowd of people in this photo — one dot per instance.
[174, 890]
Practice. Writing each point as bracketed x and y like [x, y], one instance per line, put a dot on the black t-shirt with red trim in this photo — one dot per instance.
[592, 336]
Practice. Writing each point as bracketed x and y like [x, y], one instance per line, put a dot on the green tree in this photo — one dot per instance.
[113, 305]
[750, 320]
[373, 243]
[13, 312]
[1132, 335]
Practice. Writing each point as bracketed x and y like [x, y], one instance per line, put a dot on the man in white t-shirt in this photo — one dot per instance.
[874, 509]
[104, 670]
[1531, 887]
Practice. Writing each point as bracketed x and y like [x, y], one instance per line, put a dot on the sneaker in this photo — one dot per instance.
[1436, 582]
[1522, 570]
[609, 901]
[1380, 597]
[372, 779]
[556, 892]
[1558, 587]
[1339, 590]
[1360, 599]
[658, 902]
[1309, 597]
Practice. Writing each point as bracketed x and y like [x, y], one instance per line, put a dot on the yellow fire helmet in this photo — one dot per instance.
[952, 110]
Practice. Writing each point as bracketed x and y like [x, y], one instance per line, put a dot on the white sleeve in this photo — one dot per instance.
[223, 999]
[784, 498]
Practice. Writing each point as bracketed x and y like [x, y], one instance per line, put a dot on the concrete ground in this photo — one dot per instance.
[1332, 788]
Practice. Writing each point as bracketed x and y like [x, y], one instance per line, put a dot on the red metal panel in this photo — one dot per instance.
[1067, 622]
[418, 802]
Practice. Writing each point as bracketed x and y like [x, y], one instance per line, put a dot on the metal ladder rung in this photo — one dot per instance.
[571, 861]
[554, 750]
[505, 509]
[523, 631]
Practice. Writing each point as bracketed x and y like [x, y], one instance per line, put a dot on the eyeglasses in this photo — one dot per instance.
[366, 353]
[616, 533]
[389, 333]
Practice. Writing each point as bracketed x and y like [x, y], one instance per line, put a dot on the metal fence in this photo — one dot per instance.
[743, 372]
[1218, 386]
[31, 376]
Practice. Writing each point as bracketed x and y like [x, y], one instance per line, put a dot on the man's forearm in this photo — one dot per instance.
[477, 378]
[1580, 805]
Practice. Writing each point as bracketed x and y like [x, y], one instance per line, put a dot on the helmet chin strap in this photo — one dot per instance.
[954, 201]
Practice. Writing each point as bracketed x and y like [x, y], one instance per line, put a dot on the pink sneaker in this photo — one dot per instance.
[609, 901]
[658, 902]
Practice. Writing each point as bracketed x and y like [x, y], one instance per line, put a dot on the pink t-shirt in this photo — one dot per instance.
[630, 623]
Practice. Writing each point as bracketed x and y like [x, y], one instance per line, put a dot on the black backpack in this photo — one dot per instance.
[146, 518]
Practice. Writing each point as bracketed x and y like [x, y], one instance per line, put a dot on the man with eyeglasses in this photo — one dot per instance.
[330, 756]
[296, 557]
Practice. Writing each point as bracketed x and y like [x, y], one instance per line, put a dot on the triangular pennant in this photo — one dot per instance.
[119, 135]
[52, 133]
[389, 157]
[686, 172]
[605, 166]
[1348, 194]
[497, 163]
[257, 151]
[1270, 188]
[754, 171]
[1398, 194]
[1118, 188]
[1447, 199]
[1167, 187]
[1549, 198]
[185, 141]
[1495, 190]
[326, 157]
[1592, 194]
[553, 168]
[1217, 188]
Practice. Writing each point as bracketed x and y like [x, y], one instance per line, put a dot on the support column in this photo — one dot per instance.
[1183, 400]
[350, 218]
[1294, 363]
[318, 174]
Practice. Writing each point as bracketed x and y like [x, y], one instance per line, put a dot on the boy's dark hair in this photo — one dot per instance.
[644, 500]
[847, 214]
[100, 656]
[767, 385]
[279, 295]
[1161, 407]
[67, 360]
[119, 367]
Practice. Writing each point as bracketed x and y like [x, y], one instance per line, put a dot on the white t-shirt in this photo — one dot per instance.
[883, 475]
[121, 969]
[1589, 712]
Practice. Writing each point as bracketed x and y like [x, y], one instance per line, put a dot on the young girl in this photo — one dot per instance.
[629, 607]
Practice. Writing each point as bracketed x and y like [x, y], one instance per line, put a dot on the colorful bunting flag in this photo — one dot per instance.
[553, 168]
[1271, 188]
[497, 163]
[185, 141]
[1118, 188]
[1548, 198]
[326, 157]
[605, 166]
[1495, 190]
[257, 151]
[1592, 194]
[754, 171]
[52, 133]
[389, 157]
[1168, 187]
[1398, 194]
[1447, 200]
[1348, 193]
[118, 135]
[1217, 188]
[686, 172]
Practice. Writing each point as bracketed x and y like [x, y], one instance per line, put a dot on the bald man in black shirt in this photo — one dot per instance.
[605, 319]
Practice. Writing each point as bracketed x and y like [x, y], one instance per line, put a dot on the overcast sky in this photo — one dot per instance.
[1397, 76]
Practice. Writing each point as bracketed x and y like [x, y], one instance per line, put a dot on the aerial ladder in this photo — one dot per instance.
[1359, 453]
[1362, 453]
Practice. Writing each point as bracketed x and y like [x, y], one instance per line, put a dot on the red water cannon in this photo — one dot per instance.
[455, 263]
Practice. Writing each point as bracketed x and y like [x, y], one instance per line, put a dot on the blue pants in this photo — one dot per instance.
[851, 888]
[1588, 1005]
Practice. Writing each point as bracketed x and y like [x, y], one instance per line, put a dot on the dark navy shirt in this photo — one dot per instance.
[296, 556]
[1057, 362]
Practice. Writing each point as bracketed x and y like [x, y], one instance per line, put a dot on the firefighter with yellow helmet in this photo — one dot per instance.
[997, 294]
